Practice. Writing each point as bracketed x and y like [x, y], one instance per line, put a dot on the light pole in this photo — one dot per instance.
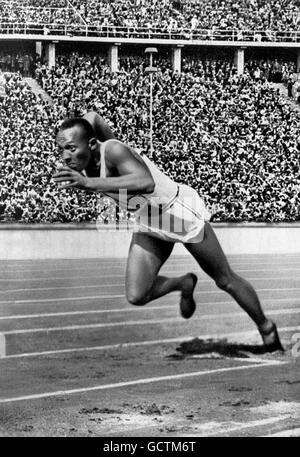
[150, 70]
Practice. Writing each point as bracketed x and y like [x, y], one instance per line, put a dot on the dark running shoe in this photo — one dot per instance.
[275, 345]
[187, 302]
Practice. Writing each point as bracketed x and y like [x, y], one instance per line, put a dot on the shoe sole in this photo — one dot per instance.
[187, 314]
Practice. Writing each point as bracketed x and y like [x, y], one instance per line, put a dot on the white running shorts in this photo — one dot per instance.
[181, 221]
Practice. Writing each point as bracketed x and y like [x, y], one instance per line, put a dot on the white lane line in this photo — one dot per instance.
[203, 429]
[64, 278]
[122, 284]
[132, 309]
[48, 300]
[117, 265]
[83, 313]
[140, 322]
[101, 276]
[293, 432]
[2, 345]
[145, 309]
[174, 259]
[172, 262]
[136, 382]
[107, 347]
[92, 286]
[91, 326]
[236, 257]
[96, 297]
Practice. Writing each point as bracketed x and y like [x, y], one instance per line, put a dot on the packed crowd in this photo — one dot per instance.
[231, 138]
[37, 12]
[276, 71]
[28, 160]
[266, 16]
[260, 15]
[21, 62]
[243, 14]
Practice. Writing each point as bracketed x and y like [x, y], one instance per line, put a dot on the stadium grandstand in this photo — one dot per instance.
[209, 91]
[258, 20]
[220, 120]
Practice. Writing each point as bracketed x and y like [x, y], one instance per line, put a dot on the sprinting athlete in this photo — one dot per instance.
[166, 213]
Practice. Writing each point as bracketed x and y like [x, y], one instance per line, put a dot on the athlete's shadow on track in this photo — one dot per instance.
[214, 348]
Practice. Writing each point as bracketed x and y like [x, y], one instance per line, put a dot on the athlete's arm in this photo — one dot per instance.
[102, 130]
[133, 174]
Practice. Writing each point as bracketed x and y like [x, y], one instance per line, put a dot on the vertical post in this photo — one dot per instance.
[176, 59]
[298, 61]
[151, 106]
[113, 58]
[50, 54]
[151, 69]
[239, 60]
[38, 48]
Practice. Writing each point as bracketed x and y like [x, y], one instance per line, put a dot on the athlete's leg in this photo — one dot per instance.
[146, 256]
[213, 261]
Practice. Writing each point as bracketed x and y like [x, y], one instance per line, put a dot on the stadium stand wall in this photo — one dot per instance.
[69, 241]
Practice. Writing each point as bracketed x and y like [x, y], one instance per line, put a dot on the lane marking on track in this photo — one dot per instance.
[61, 278]
[2, 345]
[122, 284]
[274, 312]
[140, 322]
[172, 260]
[48, 300]
[248, 333]
[204, 429]
[136, 382]
[135, 310]
[116, 265]
[96, 297]
[293, 432]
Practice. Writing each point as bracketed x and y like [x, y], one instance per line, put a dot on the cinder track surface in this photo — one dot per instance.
[78, 360]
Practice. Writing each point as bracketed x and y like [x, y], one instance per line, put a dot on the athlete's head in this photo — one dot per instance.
[76, 142]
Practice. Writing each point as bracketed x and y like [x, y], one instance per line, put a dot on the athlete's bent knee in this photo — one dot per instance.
[136, 299]
[225, 282]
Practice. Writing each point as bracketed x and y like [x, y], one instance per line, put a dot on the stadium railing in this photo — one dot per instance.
[105, 31]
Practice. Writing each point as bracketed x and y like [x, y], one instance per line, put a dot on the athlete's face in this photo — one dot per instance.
[75, 148]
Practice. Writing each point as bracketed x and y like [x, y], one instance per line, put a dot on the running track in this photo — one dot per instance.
[77, 360]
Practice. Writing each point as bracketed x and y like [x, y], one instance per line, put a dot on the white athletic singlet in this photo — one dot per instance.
[165, 190]
[172, 212]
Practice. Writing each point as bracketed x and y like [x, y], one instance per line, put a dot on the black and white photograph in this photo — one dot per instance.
[149, 221]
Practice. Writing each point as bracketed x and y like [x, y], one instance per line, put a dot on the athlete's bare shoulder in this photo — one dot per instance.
[116, 150]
